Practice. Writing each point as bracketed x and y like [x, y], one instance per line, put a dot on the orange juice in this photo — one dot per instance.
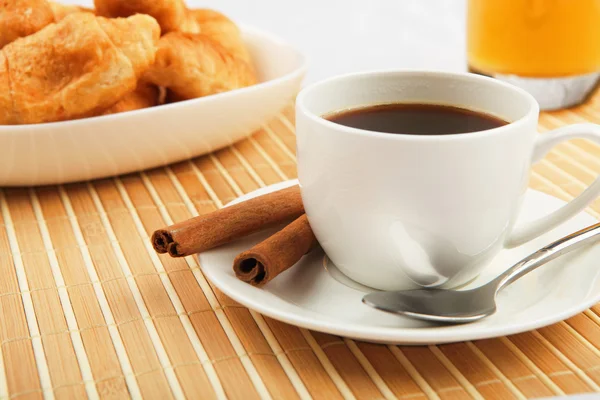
[534, 38]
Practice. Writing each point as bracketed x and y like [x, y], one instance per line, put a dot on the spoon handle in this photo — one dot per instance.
[574, 241]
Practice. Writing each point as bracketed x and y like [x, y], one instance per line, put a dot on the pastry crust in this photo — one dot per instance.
[75, 68]
[194, 65]
[20, 18]
[219, 28]
[145, 95]
[170, 14]
[136, 37]
[6, 104]
[60, 11]
[83, 65]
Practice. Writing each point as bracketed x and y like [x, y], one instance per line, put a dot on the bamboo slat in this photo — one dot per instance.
[87, 309]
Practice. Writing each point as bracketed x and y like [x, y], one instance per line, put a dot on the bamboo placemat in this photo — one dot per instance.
[88, 309]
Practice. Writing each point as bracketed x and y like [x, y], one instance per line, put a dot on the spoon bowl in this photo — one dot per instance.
[439, 305]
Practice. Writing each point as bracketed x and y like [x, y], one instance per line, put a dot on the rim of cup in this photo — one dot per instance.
[533, 110]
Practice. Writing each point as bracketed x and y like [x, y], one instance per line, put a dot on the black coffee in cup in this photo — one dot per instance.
[416, 119]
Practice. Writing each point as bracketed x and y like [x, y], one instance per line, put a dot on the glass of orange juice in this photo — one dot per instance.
[549, 47]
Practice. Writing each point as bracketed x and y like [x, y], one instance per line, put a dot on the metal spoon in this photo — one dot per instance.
[461, 306]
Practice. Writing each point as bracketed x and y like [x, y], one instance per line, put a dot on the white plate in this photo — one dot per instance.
[108, 145]
[309, 296]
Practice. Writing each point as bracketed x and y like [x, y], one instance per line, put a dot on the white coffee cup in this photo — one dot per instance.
[397, 211]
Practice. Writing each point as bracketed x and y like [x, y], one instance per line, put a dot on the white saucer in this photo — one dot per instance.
[309, 296]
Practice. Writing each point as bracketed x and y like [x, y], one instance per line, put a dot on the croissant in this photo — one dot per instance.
[170, 14]
[145, 95]
[74, 68]
[194, 65]
[60, 11]
[219, 28]
[19, 18]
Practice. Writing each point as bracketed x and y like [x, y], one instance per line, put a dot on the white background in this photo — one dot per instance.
[353, 35]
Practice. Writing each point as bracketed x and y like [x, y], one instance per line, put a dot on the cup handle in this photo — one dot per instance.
[545, 142]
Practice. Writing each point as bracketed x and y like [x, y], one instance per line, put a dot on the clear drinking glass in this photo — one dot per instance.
[549, 47]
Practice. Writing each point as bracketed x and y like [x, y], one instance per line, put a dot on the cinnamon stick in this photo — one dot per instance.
[276, 254]
[227, 224]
